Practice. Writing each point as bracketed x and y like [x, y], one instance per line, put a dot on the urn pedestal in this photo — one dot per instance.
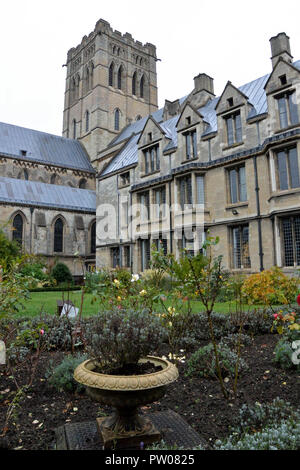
[127, 428]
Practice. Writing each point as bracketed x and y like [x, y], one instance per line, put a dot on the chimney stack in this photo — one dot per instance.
[280, 47]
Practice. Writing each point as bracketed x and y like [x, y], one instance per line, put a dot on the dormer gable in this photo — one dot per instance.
[230, 99]
[189, 117]
[283, 75]
[151, 133]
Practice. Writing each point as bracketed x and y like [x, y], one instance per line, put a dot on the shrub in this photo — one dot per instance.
[118, 337]
[271, 287]
[233, 340]
[257, 417]
[61, 273]
[203, 363]
[9, 251]
[61, 376]
[274, 426]
[282, 436]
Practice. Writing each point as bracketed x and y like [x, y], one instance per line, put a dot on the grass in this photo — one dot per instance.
[47, 302]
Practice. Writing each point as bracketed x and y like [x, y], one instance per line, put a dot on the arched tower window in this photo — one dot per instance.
[93, 237]
[87, 121]
[58, 235]
[142, 86]
[91, 84]
[134, 84]
[18, 224]
[82, 183]
[74, 129]
[87, 79]
[120, 77]
[111, 74]
[77, 87]
[117, 120]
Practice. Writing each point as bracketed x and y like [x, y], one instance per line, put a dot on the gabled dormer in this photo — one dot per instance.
[281, 90]
[232, 110]
[189, 126]
[150, 147]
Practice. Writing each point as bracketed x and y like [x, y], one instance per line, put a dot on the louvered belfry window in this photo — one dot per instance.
[58, 236]
[93, 238]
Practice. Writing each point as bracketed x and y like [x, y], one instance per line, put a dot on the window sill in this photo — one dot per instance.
[184, 162]
[233, 146]
[124, 186]
[285, 129]
[144, 175]
[236, 205]
[286, 192]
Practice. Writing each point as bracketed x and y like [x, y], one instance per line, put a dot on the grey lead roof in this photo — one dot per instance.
[43, 148]
[254, 90]
[50, 196]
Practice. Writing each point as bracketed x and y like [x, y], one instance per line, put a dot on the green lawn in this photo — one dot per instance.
[47, 302]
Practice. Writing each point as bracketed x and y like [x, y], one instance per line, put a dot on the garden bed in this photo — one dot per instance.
[198, 400]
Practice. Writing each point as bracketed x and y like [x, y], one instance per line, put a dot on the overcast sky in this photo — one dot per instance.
[228, 40]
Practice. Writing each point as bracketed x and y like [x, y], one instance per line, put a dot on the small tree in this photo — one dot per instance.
[62, 273]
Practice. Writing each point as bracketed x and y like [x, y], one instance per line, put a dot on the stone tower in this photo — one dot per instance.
[111, 82]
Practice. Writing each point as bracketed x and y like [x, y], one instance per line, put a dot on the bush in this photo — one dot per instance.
[203, 362]
[274, 426]
[61, 273]
[270, 287]
[282, 436]
[233, 340]
[118, 337]
[9, 251]
[61, 377]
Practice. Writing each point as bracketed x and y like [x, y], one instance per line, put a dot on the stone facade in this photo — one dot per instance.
[234, 158]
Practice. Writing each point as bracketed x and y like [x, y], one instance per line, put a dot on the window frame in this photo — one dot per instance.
[240, 265]
[290, 173]
[238, 183]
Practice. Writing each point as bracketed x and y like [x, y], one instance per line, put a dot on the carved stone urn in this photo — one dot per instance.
[126, 428]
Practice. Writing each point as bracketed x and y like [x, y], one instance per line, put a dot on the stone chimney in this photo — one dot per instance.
[203, 90]
[280, 47]
[171, 109]
[204, 82]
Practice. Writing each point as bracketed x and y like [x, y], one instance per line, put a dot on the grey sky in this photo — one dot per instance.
[227, 40]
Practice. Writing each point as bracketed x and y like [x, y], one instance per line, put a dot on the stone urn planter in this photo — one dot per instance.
[126, 428]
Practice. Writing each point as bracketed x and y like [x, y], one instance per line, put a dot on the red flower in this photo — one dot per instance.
[276, 316]
[298, 299]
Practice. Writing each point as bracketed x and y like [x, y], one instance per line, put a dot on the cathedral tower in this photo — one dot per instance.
[111, 82]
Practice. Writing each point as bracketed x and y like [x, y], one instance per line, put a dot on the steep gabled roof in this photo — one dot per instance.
[43, 148]
[254, 91]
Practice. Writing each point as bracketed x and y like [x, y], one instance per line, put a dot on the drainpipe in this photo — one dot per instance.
[260, 244]
[31, 218]
[170, 216]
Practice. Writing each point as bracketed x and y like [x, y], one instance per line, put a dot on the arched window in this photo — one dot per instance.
[18, 229]
[91, 84]
[74, 129]
[120, 76]
[111, 75]
[142, 85]
[82, 184]
[77, 87]
[87, 79]
[117, 120]
[134, 84]
[73, 89]
[93, 237]
[58, 235]
[87, 121]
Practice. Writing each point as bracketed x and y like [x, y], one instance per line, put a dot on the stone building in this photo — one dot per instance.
[232, 160]
[47, 196]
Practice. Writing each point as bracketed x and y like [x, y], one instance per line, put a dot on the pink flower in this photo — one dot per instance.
[298, 299]
[42, 332]
[276, 316]
[119, 307]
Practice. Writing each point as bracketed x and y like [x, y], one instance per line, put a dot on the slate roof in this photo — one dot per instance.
[36, 194]
[254, 90]
[43, 148]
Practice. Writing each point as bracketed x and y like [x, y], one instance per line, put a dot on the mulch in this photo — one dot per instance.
[198, 400]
